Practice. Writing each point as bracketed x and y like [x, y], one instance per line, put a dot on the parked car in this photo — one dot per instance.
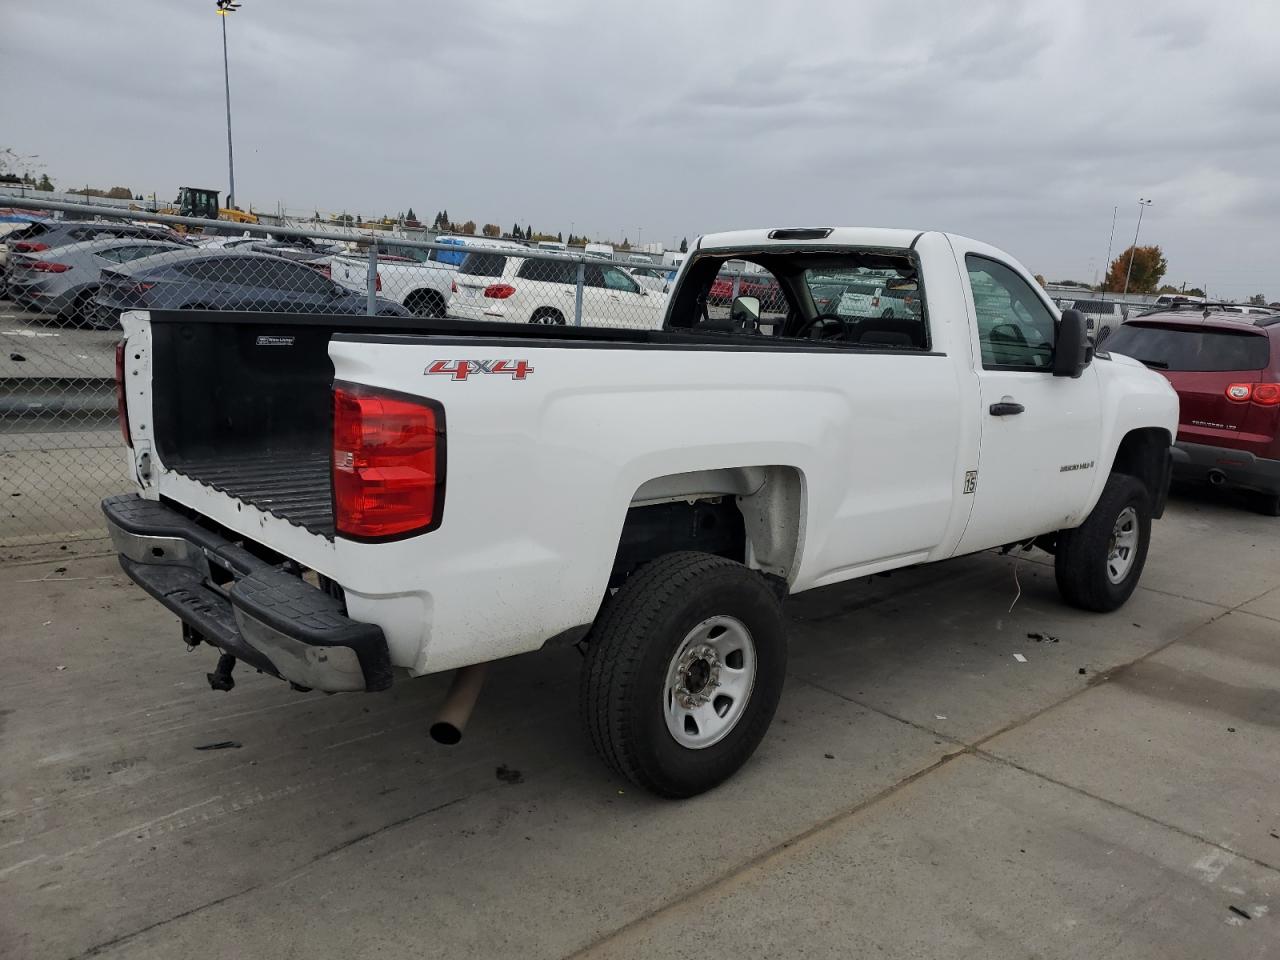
[653, 279]
[420, 278]
[40, 236]
[884, 297]
[1102, 317]
[495, 285]
[471, 493]
[237, 280]
[63, 281]
[1226, 370]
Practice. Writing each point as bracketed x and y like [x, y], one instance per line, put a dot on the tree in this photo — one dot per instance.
[1149, 266]
[359, 219]
[1195, 292]
[528, 232]
[1040, 279]
[515, 232]
[46, 184]
[684, 245]
[1168, 288]
[469, 228]
[120, 193]
[410, 215]
[491, 230]
[625, 245]
[1258, 300]
[559, 239]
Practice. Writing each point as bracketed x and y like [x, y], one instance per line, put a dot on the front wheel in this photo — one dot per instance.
[684, 669]
[1099, 563]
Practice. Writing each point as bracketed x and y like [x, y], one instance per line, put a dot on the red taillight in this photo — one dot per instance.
[499, 291]
[388, 463]
[122, 407]
[44, 266]
[377, 282]
[29, 246]
[1263, 394]
[141, 287]
[453, 286]
[1266, 394]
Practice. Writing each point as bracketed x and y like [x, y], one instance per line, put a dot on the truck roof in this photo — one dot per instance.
[818, 236]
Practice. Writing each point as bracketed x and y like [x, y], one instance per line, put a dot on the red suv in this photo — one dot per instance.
[1226, 370]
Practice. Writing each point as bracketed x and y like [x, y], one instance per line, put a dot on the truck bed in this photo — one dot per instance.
[291, 485]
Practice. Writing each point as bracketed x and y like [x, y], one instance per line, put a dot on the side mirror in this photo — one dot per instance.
[745, 310]
[1070, 346]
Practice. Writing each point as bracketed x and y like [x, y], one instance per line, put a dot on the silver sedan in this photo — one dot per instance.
[62, 281]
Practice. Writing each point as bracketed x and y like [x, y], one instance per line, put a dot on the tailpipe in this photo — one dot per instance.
[458, 704]
[1217, 477]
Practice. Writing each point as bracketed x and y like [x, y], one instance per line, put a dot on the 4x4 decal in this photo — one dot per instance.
[462, 369]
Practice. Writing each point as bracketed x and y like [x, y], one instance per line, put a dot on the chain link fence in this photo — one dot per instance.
[68, 270]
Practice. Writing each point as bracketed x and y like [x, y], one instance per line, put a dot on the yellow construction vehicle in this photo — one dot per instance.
[203, 202]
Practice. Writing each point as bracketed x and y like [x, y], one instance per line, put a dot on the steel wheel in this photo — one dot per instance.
[1123, 545]
[709, 681]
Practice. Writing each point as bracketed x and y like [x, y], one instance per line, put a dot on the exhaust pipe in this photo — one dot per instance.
[458, 704]
[1217, 477]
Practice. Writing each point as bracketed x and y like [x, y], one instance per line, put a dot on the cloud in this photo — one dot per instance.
[1020, 124]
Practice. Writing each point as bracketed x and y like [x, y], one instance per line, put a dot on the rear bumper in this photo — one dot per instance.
[1196, 462]
[244, 606]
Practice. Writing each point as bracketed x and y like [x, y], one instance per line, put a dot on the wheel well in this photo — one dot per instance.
[427, 294]
[748, 514]
[1144, 453]
[546, 312]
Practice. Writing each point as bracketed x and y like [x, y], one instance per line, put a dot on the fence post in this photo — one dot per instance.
[737, 280]
[577, 296]
[371, 279]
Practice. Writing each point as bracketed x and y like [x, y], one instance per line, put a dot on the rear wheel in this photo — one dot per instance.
[1099, 563]
[425, 303]
[684, 669]
[81, 309]
[547, 315]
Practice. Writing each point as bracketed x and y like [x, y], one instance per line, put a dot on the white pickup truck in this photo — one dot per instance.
[342, 504]
[418, 278]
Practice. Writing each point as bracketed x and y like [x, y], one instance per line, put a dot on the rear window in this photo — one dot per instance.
[1191, 348]
[483, 265]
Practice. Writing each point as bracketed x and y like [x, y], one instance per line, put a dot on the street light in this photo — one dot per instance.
[225, 9]
[1133, 251]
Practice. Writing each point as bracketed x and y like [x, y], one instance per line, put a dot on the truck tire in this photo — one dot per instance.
[683, 672]
[1099, 563]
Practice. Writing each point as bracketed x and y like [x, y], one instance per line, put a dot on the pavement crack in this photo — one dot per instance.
[1116, 805]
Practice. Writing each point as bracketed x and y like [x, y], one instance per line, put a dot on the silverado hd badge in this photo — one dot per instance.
[462, 369]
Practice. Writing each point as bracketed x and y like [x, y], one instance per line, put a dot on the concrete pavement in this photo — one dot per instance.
[922, 793]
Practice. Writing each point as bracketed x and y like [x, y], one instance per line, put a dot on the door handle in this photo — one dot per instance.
[1006, 408]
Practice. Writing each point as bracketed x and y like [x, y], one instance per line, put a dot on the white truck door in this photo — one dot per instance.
[1040, 434]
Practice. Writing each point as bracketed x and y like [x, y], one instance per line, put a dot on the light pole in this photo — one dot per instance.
[1142, 205]
[1107, 265]
[225, 9]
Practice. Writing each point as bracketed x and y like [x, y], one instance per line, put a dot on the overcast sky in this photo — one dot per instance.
[1021, 124]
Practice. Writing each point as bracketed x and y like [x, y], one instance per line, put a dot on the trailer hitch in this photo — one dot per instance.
[221, 678]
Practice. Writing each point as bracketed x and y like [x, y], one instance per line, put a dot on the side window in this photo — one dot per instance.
[548, 271]
[1015, 328]
[116, 254]
[593, 276]
[297, 278]
[615, 279]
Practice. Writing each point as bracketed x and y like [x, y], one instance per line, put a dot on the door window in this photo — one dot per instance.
[615, 279]
[1015, 328]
